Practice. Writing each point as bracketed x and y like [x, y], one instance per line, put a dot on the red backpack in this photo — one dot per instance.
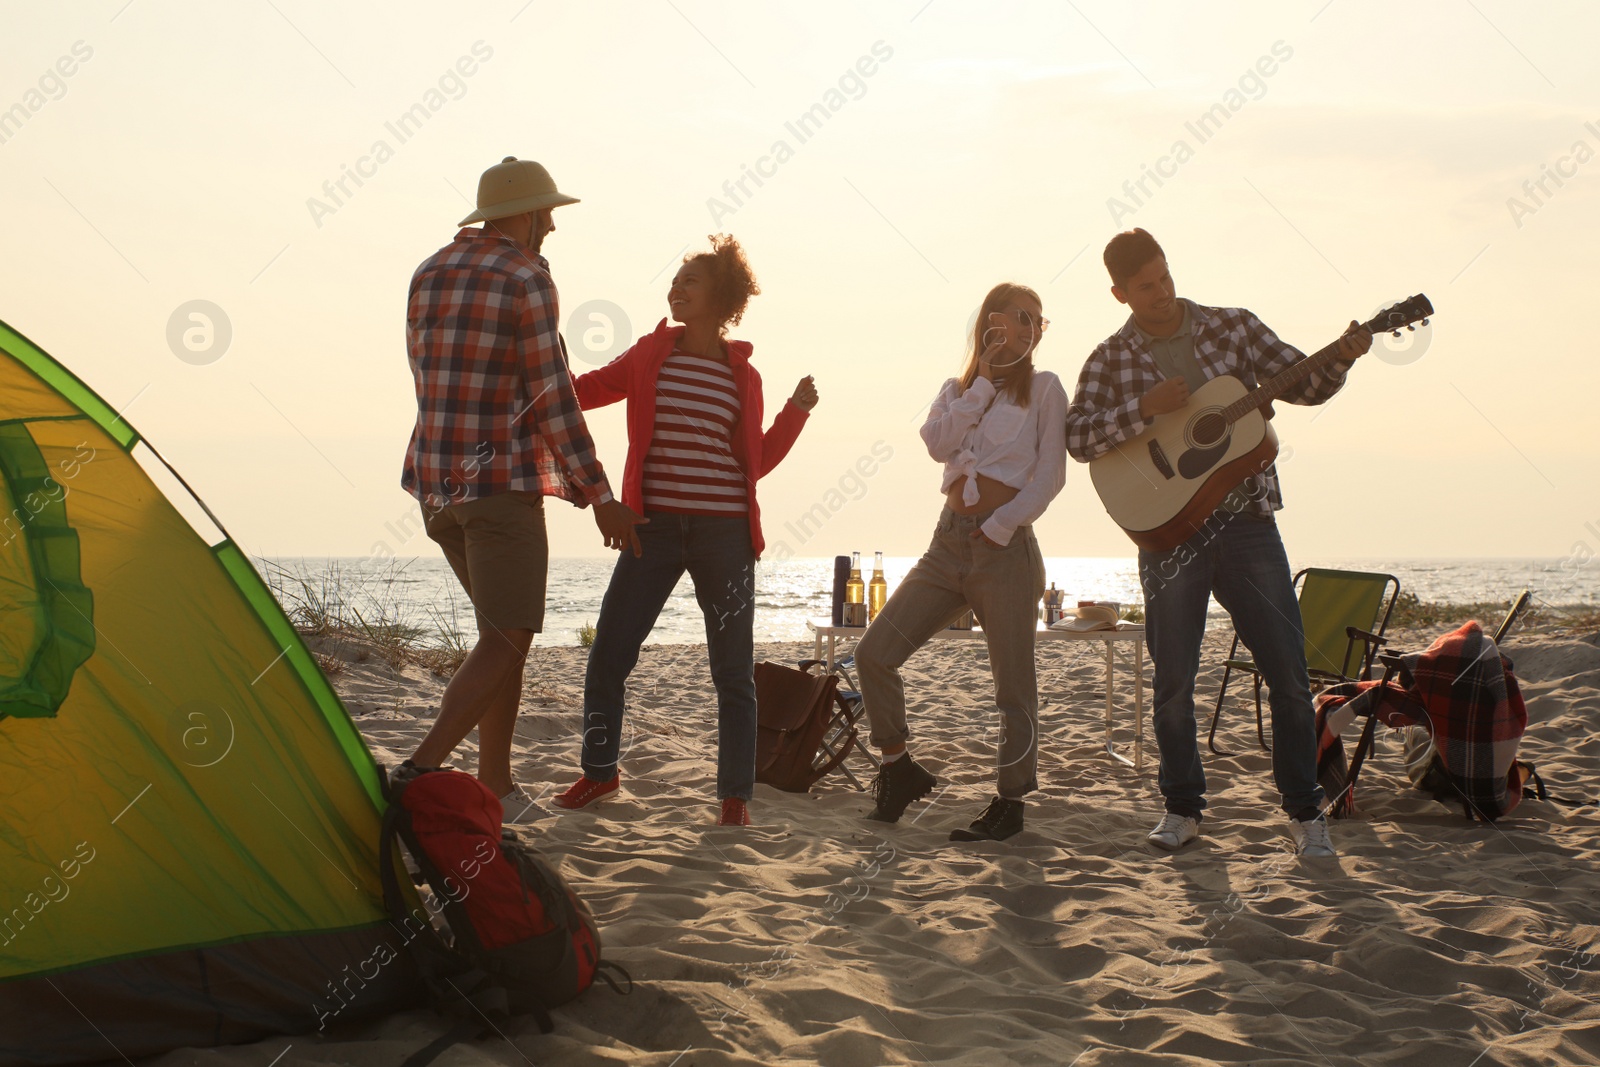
[520, 941]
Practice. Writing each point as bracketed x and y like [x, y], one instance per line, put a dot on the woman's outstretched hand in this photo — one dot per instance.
[805, 394]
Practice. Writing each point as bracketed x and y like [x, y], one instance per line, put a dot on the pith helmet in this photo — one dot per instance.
[514, 186]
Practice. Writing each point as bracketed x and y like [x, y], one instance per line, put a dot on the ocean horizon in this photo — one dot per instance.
[422, 592]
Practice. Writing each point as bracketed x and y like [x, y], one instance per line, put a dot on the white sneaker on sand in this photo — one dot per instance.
[1311, 837]
[517, 806]
[1174, 831]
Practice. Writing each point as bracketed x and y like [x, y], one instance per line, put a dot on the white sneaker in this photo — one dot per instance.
[1174, 831]
[517, 806]
[1311, 837]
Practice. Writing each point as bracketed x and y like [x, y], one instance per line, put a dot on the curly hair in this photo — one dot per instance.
[733, 283]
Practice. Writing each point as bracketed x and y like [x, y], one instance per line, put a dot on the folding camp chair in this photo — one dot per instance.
[841, 734]
[1510, 620]
[1338, 609]
[1394, 670]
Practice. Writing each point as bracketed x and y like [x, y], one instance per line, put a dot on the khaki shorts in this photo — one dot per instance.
[497, 547]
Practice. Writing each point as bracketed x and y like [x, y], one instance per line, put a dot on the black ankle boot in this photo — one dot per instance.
[1000, 820]
[896, 786]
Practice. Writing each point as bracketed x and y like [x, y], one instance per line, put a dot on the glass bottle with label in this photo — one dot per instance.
[877, 589]
[855, 605]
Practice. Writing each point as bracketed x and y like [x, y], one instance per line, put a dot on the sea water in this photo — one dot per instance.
[423, 593]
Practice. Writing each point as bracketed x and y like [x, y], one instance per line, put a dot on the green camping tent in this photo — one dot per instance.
[188, 817]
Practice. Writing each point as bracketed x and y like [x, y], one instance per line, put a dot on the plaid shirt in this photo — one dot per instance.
[496, 409]
[1105, 408]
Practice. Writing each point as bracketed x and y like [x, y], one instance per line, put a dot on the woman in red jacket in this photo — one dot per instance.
[695, 451]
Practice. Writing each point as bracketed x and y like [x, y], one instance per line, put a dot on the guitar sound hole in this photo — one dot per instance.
[1208, 429]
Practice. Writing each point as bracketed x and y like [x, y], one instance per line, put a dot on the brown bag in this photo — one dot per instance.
[793, 711]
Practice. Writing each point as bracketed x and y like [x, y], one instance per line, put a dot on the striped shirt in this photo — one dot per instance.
[690, 468]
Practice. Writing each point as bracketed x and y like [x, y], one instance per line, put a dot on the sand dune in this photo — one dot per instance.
[817, 937]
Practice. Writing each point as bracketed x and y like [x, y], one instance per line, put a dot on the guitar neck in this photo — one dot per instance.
[1278, 384]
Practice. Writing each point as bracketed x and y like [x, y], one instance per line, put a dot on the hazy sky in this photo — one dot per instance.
[157, 153]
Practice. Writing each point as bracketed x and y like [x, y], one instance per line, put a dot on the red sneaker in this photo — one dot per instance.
[586, 791]
[734, 813]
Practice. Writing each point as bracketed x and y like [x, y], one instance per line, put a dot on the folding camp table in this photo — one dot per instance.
[824, 630]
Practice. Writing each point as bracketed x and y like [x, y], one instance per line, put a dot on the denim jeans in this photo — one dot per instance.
[1241, 563]
[1003, 587]
[716, 552]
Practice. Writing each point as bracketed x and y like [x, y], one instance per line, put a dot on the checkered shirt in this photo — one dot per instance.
[1105, 408]
[496, 409]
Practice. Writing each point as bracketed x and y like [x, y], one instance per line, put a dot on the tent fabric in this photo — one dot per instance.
[228, 994]
[49, 629]
[176, 774]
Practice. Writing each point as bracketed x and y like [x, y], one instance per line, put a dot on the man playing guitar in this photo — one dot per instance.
[1168, 348]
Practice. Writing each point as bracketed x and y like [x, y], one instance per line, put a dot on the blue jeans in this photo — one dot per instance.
[717, 553]
[1241, 563]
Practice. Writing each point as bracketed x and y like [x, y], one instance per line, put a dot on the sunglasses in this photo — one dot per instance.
[1025, 318]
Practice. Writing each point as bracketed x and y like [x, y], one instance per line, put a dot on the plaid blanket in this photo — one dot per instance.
[1464, 694]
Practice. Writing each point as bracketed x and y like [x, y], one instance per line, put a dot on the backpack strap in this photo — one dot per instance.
[463, 1031]
[1538, 790]
[393, 903]
[603, 971]
[557, 907]
[437, 960]
[475, 1008]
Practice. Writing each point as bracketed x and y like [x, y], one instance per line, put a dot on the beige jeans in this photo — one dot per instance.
[1003, 587]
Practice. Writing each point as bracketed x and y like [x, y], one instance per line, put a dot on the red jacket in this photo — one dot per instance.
[632, 376]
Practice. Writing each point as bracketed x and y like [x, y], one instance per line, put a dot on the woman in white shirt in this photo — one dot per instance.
[999, 430]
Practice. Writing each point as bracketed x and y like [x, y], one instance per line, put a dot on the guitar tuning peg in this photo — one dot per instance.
[1397, 333]
[1411, 329]
[1424, 322]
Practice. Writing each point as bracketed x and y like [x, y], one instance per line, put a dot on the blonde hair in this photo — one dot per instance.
[1019, 377]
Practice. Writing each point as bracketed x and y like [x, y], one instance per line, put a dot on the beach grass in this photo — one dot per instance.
[336, 603]
[1413, 613]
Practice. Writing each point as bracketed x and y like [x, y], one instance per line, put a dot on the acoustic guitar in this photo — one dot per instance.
[1163, 485]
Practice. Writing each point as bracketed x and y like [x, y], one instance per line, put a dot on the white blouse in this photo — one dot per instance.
[978, 432]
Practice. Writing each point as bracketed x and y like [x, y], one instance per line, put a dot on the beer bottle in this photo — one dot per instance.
[855, 611]
[878, 589]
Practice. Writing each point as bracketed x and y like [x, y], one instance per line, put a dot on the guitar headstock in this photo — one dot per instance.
[1405, 313]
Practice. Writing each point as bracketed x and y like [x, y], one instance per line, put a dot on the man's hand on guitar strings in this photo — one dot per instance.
[1356, 341]
[1170, 395]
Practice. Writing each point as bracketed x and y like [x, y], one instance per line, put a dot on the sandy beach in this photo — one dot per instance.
[325, 337]
[815, 936]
